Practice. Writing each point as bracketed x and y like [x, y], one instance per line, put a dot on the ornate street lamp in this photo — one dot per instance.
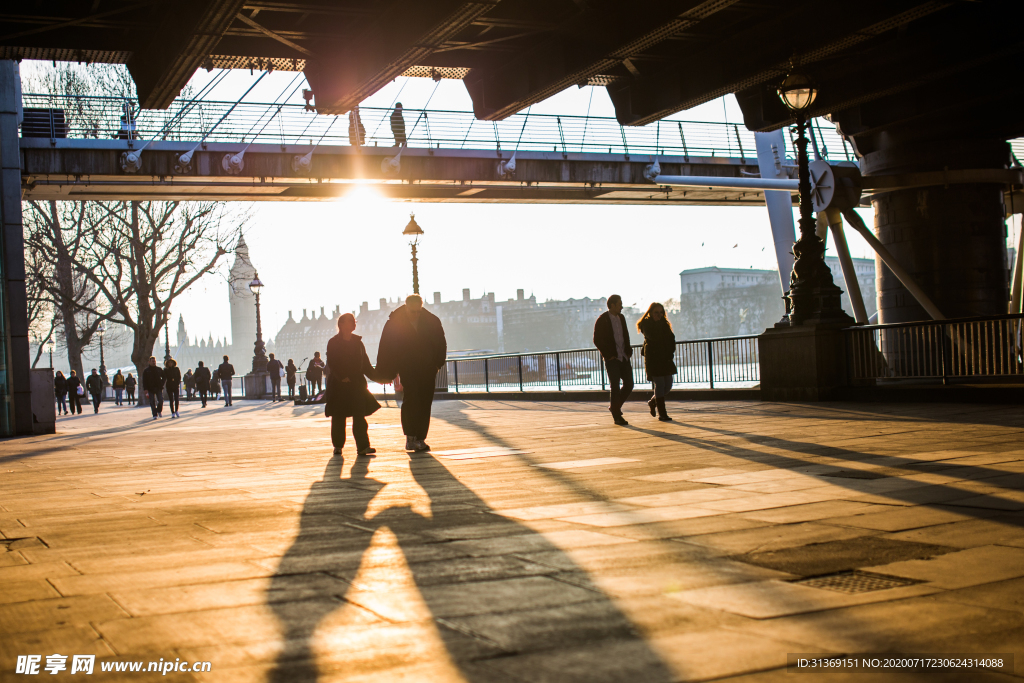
[259, 358]
[167, 339]
[103, 363]
[413, 228]
[812, 293]
[49, 347]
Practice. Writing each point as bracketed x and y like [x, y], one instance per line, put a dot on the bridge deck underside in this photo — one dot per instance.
[86, 169]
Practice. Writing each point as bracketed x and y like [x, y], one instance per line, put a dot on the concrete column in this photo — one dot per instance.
[17, 401]
[950, 238]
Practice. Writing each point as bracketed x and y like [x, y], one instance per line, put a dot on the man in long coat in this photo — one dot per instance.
[611, 337]
[412, 345]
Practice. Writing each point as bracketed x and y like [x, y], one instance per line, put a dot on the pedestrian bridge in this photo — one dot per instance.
[83, 148]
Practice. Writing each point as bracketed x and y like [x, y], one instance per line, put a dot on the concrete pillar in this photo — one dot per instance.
[16, 392]
[950, 238]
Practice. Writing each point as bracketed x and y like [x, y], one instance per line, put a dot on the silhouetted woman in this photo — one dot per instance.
[60, 388]
[347, 394]
[172, 382]
[289, 372]
[129, 385]
[659, 356]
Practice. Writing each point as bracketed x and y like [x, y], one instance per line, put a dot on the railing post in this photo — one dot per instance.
[942, 351]
[455, 365]
[558, 369]
[487, 381]
[520, 359]
[600, 364]
[711, 365]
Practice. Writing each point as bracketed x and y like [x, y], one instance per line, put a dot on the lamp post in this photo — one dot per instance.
[49, 347]
[413, 228]
[103, 363]
[812, 293]
[259, 357]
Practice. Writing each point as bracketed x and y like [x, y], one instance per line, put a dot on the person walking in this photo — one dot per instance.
[94, 383]
[413, 347]
[398, 126]
[315, 375]
[226, 371]
[60, 389]
[356, 130]
[290, 371]
[153, 384]
[129, 386]
[347, 393]
[611, 337]
[202, 381]
[659, 353]
[172, 380]
[275, 369]
[189, 380]
[215, 384]
[118, 384]
[75, 393]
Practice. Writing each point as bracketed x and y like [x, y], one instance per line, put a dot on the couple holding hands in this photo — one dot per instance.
[412, 346]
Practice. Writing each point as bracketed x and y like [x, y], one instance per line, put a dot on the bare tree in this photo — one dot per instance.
[147, 255]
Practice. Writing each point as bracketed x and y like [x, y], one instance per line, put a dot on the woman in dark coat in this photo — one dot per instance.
[60, 388]
[129, 385]
[659, 354]
[172, 382]
[289, 372]
[347, 395]
[74, 398]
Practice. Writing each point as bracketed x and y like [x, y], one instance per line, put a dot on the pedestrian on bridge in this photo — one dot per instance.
[398, 126]
[153, 385]
[659, 352]
[275, 369]
[172, 380]
[412, 345]
[356, 131]
[94, 383]
[226, 372]
[611, 337]
[347, 393]
[202, 379]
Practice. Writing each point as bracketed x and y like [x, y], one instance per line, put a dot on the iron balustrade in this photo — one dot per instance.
[726, 360]
[186, 120]
[966, 349]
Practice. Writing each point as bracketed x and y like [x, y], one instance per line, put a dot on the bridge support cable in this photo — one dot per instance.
[771, 151]
[833, 217]
[233, 163]
[185, 160]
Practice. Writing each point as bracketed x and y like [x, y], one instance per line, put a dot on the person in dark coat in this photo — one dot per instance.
[75, 398]
[153, 384]
[215, 383]
[347, 394]
[611, 337]
[172, 380]
[226, 371]
[274, 368]
[412, 346]
[289, 372]
[94, 385]
[117, 384]
[129, 385]
[60, 389]
[202, 379]
[398, 126]
[189, 380]
[315, 375]
[659, 356]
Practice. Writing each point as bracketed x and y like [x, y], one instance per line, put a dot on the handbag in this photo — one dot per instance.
[81, 390]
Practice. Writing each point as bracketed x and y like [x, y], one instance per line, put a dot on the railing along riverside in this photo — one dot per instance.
[188, 120]
[966, 349]
[706, 362]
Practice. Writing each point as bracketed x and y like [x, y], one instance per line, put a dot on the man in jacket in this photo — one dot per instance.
[274, 368]
[189, 380]
[398, 126]
[118, 384]
[413, 346]
[226, 371]
[94, 384]
[153, 384]
[315, 375]
[74, 398]
[611, 337]
[202, 380]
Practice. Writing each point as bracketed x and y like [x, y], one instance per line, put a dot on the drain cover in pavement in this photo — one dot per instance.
[856, 582]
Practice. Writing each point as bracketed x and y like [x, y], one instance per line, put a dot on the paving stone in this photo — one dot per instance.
[834, 556]
[811, 512]
[909, 518]
[42, 615]
[776, 537]
[969, 533]
[963, 568]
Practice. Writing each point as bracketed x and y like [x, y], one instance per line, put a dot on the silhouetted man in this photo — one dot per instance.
[398, 126]
[153, 384]
[275, 369]
[611, 337]
[226, 371]
[413, 346]
[94, 383]
[202, 380]
[315, 375]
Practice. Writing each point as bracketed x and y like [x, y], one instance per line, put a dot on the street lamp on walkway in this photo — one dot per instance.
[812, 293]
[167, 339]
[103, 363]
[413, 228]
[259, 358]
[49, 347]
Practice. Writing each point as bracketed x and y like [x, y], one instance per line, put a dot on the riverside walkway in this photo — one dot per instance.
[538, 542]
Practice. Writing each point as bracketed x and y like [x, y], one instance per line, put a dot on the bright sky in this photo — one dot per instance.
[346, 252]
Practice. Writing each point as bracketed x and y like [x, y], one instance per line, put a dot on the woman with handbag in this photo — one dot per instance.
[347, 393]
[60, 388]
[172, 382]
[659, 355]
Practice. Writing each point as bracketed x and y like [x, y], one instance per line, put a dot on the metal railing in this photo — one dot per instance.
[968, 349]
[290, 124]
[729, 361]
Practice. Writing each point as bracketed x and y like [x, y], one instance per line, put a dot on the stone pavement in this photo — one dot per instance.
[537, 543]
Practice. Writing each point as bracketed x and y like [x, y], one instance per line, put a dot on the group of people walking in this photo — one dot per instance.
[611, 337]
